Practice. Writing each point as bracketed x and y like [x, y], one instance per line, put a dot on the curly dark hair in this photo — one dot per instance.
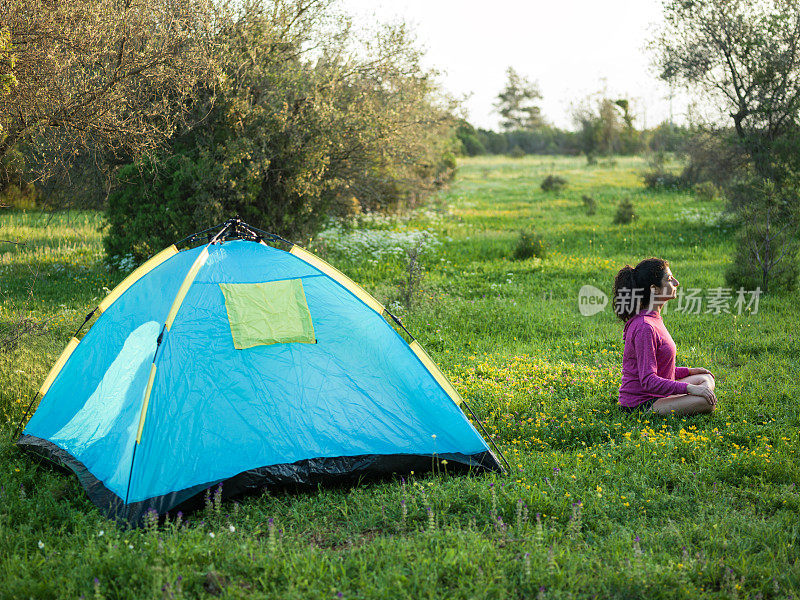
[632, 286]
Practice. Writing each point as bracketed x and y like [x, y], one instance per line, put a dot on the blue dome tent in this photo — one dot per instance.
[241, 364]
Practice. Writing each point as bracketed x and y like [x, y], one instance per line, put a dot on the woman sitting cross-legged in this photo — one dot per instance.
[650, 379]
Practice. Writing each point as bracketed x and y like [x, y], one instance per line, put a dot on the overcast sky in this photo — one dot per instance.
[572, 48]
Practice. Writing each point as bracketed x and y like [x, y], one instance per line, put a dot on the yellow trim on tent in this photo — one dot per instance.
[65, 354]
[187, 283]
[146, 401]
[173, 312]
[340, 277]
[136, 276]
[437, 374]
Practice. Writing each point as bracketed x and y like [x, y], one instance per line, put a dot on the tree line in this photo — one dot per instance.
[602, 126]
[594, 141]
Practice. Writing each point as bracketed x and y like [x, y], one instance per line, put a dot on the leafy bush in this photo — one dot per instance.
[470, 144]
[663, 180]
[746, 272]
[21, 197]
[659, 177]
[706, 191]
[529, 244]
[155, 204]
[715, 157]
[625, 213]
[16, 191]
[282, 148]
[589, 204]
[767, 243]
[553, 183]
[516, 152]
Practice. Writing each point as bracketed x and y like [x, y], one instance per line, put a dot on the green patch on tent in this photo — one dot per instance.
[275, 312]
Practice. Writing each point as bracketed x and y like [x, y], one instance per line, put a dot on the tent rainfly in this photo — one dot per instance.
[240, 364]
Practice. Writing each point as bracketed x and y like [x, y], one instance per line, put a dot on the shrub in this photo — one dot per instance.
[746, 272]
[706, 191]
[553, 183]
[713, 156]
[589, 204]
[767, 243]
[155, 202]
[471, 145]
[625, 213]
[663, 180]
[658, 177]
[516, 152]
[281, 148]
[529, 244]
[23, 197]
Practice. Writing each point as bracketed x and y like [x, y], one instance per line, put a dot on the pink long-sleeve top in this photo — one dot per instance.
[648, 361]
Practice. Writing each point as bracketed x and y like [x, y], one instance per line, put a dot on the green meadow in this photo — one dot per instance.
[596, 503]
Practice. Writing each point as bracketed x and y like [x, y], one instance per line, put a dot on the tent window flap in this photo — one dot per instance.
[274, 312]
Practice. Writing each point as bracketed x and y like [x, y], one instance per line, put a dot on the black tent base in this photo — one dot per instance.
[303, 475]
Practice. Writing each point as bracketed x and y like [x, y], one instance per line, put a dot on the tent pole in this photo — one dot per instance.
[198, 233]
[396, 320]
[273, 237]
[18, 430]
[491, 439]
[85, 321]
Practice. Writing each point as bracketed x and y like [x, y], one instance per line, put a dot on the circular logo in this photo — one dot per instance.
[591, 300]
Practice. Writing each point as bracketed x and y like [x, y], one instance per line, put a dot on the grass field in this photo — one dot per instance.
[598, 504]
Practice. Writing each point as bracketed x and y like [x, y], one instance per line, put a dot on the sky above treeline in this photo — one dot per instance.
[572, 48]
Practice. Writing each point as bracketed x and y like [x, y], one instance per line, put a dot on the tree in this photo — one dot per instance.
[605, 126]
[517, 103]
[112, 74]
[629, 138]
[745, 57]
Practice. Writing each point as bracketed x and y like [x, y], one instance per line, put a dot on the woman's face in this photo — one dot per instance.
[668, 290]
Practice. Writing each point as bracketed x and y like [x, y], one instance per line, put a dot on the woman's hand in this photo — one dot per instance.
[699, 371]
[703, 391]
